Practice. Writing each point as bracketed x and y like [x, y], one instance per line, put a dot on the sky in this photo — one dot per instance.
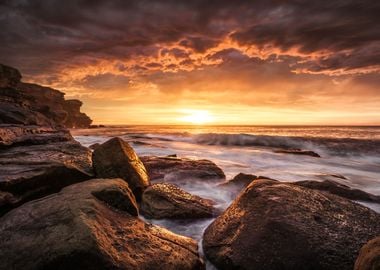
[202, 62]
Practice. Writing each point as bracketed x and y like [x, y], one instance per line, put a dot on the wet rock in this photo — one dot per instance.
[181, 168]
[274, 225]
[369, 256]
[164, 200]
[239, 181]
[32, 104]
[13, 135]
[116, 159]
[298, 152]
[31, 171]
[78, 228]
[94, 146]
[340, 190]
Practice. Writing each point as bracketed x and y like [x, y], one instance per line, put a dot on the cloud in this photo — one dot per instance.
[329, 36]
[310, 54]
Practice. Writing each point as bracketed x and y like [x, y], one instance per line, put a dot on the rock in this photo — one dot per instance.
[181, 168]
[239, 181]
[32, 171]
[94, 146]
[369, 256]
[340, 190]
[9, 76]
[13, 135]
[164, 200]
[298, 152]
[75, 118]
[78, 228]
[116, 159]
[274, 225]
[32, 104]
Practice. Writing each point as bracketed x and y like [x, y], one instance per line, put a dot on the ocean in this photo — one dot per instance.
[349, 155]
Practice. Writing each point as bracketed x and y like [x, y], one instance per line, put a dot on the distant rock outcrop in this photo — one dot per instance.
[32, 104]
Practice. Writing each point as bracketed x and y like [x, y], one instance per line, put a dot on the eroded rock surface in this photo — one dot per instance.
[274, 225]
[369, 256]
[116, 159]
[164, 200]
[181, 168]
[340, 190]
[32, 104]
[82, 227]
[32, 171]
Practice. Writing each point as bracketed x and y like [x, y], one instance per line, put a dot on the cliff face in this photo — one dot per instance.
[32, 104]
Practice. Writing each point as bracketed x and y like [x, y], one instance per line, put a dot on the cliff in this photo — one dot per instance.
[32, 104]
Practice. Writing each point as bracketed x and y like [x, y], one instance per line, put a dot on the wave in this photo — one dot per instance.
[340, 146]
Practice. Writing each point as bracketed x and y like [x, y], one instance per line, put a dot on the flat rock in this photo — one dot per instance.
[12, 135]
[274, 225]
[116, 159]
[164, 200]
[369, 256]
[90, 225]
[340, 190]
[31, 171]
[181, 168]
[298, 152]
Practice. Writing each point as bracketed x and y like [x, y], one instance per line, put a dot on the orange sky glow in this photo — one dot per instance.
[248, 63]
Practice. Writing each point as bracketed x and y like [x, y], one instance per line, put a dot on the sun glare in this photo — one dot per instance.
[196, 117]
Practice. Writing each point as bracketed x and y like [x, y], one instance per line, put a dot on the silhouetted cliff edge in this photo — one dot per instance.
[32, 104]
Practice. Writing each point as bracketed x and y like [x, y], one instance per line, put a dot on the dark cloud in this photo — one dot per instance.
[43, 36]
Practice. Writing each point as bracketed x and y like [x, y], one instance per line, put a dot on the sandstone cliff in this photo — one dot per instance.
[32, 104]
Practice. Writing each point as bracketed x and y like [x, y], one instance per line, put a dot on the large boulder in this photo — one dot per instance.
[369, 256]
[32, 171]
[181, 168]
[164, 200]
[336, 188]
[32, 104]
[116, 159]
[90, 225]
[274, 225]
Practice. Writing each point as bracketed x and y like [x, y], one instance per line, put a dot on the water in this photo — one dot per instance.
[352, 152]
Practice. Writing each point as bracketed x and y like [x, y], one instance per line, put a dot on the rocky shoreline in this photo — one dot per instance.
[66, 206]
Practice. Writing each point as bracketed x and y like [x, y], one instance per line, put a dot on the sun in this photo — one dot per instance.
[196, 117]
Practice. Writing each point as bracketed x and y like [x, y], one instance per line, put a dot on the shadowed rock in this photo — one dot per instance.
[164, 200]
[82, 227]
[116, 159]
[32, 104]
[274, 225]
[239, 181]
[30, 172]
[181, 168]
[369, 256]
[298, 152]
[13, 135]
[340, 190]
